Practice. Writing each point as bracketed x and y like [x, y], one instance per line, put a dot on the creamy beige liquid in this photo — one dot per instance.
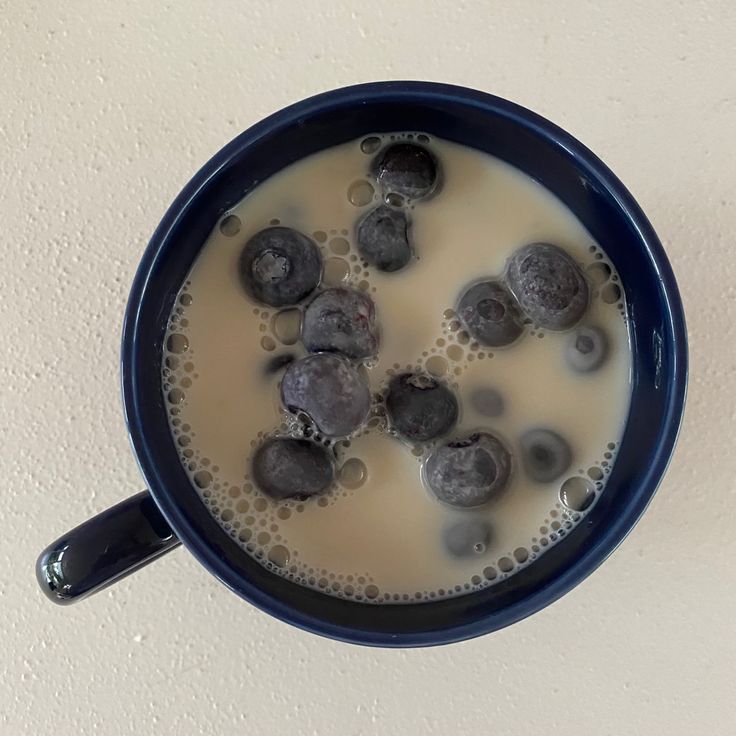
[378, 535]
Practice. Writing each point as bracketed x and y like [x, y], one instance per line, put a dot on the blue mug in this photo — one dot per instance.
[137, 531]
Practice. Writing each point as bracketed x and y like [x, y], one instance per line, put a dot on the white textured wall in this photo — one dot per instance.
[106, 109]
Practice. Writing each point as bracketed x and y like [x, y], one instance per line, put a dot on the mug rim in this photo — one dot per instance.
[610, 537]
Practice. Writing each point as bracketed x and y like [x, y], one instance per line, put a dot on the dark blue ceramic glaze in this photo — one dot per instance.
[104, 549]
[550, 156]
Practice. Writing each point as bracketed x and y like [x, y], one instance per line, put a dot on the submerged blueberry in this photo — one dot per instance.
[383, 239]
[285, 467]
[419, 407]
[544, 454]
[280, 266]
[586, 349]
[406, 169]
[467, 537]
[330, 391]
[275, 364]
[487, 401]
[341, 321]
[470, 471]
[489, 314]
[548, 285]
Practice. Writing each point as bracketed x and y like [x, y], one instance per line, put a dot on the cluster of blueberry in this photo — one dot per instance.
[328, 389]
[542, 285]
[280, 267]
[404, 172]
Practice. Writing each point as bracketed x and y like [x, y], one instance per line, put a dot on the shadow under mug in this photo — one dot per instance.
[133, 533]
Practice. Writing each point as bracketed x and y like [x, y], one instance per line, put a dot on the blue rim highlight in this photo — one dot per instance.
[157, 255]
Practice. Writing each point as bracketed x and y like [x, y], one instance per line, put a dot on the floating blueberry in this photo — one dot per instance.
[280, 266]
[284, 467]
[341, 321]
[548, 285]
[329, 390]
[489, 314]
[586, 349]
[544, 454]
[406, 169]
[419, 407]
[470, 471]
[383, 239]
[467, 537]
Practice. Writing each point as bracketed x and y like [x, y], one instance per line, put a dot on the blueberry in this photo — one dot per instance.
[406, 169]
[544, 454]
[280, 266]
[383, 239]
[330, 391]
[586, 349]
[284, 467]
[275, 364]
[419, 407]
[548, 285]
[487, 401]
[341, 321]
[489, 314]
[467, 537]
[470, 471]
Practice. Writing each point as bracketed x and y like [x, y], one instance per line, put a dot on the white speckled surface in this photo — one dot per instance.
[106, 109]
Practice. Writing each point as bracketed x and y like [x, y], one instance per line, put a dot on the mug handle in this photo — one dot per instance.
[104, 549]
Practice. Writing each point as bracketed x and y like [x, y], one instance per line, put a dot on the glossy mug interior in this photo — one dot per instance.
[137, 531]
